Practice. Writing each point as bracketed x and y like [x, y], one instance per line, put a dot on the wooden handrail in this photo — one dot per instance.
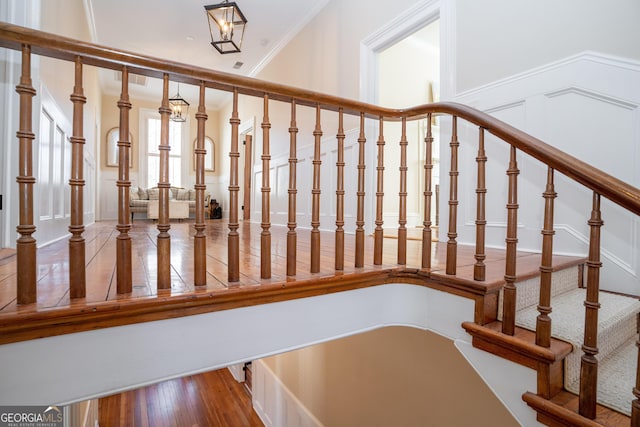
[602, 184]
[52, 45]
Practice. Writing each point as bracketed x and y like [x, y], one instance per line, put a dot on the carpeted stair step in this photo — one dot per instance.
[617, 320]
[616, 378]
[528, 293]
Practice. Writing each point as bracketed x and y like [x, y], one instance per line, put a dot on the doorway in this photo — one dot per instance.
[409, 74]
[246, 186]
[245, 168]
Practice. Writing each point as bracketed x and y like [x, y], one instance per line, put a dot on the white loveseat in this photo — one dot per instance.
[139, 198]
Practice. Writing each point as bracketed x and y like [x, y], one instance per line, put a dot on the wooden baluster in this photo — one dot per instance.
[509, 305]
[452, 245]
[339, 252]
[233, 241]
[543, 322]
[77, 274]
[123, 241]
[402, 197]
[315, 202]
[635, 404]
[164, 239]
[200, 238]
[359, 262]
[292, 237]
[426, 223]
[378, 232]
[265, 236]
[589, 363]
[479, 268]
[26, 244]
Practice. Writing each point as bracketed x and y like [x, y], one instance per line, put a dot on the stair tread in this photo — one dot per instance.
[617, 329]
[616, 378]
[568, 319]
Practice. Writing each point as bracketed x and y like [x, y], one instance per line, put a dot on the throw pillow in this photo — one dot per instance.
[183, 194]
[142, 192]
[134, 193]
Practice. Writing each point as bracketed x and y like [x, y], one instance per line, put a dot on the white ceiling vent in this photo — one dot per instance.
[238, 64]
[134, 79]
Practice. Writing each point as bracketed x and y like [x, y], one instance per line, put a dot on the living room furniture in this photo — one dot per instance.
[139, 199]
[178, 209]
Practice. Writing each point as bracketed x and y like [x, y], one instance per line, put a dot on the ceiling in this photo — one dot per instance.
[178, 30]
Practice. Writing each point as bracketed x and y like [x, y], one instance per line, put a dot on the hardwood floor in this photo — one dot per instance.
[100, 240]
[55, 313]
[211, 399]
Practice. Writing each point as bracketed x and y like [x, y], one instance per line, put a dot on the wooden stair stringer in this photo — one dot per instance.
[555, 406]
[521, 348]
[562, 411]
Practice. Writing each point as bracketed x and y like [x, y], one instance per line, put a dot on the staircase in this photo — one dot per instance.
[616, 338]
[617, 334]
[598, 324]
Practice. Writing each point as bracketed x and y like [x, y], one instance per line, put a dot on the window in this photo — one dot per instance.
[44, 175]
[54, 169]
[153, 154]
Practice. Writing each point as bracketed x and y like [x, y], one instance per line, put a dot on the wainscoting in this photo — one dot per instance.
[585, 105]
[275, 404]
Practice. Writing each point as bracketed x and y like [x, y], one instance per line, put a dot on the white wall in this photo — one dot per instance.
[25, 13]
[588, 106]
[408, 74]
[499, 38]
[128, 357]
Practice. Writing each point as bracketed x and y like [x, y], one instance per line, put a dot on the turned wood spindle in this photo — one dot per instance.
[123, 241]
[359, 261]
[543, 321]
[509, 306]
[77, 272]
[546, 388]
[233, 242]
[452, 244]
[164, 238]
[378, 232]
[26, 243]
[635, 404]
[315, 193]
[265, 235]
[479, 268]
[428, 177]
[402, 197]
[200, 237]
[589, 362]
[292, 236]
[339, 238]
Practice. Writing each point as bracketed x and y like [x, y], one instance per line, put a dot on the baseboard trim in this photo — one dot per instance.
[275, 404]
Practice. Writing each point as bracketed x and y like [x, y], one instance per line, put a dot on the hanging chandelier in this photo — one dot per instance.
[179, 107]
[226, 25]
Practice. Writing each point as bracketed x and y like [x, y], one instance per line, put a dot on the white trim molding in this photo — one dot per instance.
[579, 104]
[414, 18]
[275, 404]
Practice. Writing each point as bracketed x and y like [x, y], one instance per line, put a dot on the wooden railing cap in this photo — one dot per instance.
[52, 45]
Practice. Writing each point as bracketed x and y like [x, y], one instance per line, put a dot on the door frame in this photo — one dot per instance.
[395, 30]
[247, 169]
[246, 127]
